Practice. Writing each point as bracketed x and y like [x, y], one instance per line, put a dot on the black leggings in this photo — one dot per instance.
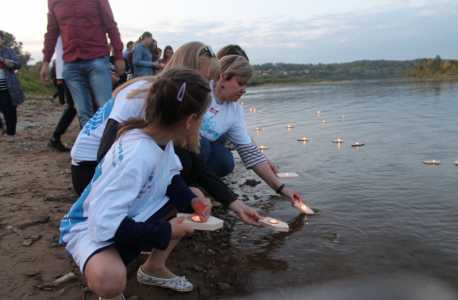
[82, 175]
[9, 112]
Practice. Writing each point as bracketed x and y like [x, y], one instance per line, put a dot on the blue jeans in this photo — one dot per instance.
[217, 157]
[82, 76]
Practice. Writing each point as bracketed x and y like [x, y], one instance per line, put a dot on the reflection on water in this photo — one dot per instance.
[382, 210]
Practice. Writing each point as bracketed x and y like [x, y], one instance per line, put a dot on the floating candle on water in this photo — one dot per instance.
[289, 126]
[343, 117]
[304, 139]
[431, 162]
[255, 110]
[357, 144]
[287, 175]
[318, 112]
[337, 141]
[257, 129]
[304, 208]
[455, 162]
[274, 224]
[196, 219]
[261, 112]
[263, 148]
[324, 122]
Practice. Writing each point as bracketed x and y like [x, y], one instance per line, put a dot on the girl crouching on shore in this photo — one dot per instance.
[136, 188]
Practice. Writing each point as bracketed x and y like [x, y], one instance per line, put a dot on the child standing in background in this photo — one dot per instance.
[136, 188]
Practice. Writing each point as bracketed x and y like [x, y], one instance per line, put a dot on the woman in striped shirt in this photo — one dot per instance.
[225, 119]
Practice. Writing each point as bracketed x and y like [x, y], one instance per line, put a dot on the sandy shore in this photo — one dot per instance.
[36, 192]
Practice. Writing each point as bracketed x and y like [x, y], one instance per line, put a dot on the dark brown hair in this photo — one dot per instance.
[162, 105]
[231, 50]
[2, 34]
[154, 52]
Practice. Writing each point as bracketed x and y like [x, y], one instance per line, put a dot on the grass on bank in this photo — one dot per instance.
[31, 83]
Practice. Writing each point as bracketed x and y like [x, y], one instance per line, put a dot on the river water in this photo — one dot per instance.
[381, 210]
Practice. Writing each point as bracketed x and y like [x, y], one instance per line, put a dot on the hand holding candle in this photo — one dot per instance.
[292, 194]
[178, 229]
[203, 207]
[246, 214]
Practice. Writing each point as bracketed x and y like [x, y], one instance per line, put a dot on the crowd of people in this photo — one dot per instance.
[153, 128]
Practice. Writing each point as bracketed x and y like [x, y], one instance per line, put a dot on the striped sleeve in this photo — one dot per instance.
[250, 155]
[3, 85]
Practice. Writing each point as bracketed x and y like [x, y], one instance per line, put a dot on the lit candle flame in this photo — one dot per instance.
[324, 122]
[196, 219]
[318, 112]
[255, 110]
[273, 221]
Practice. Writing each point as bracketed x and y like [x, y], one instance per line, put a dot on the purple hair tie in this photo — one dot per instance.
[181, 92]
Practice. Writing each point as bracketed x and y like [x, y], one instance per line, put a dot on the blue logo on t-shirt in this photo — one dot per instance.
[208, 127]
[100, 116]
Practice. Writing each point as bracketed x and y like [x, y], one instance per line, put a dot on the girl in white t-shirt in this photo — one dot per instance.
[136, 188]
[224, 119]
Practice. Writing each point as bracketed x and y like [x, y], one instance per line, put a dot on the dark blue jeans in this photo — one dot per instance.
[9, 112]
[217, 157]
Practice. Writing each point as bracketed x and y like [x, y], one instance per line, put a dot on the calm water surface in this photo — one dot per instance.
[381, 209]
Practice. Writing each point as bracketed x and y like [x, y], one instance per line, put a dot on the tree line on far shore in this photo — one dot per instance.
[363, 69]
[277, 73]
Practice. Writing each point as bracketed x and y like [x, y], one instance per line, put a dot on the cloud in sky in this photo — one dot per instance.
[387, 30]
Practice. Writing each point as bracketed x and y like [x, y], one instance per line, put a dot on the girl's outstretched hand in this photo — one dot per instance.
[178, 229]
[203, 207]
[247, 214]
[293, 195]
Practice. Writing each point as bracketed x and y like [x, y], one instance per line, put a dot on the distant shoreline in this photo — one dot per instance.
[295, 82]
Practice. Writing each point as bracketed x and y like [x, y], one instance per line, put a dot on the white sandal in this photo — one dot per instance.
[122, 297]
[179, 284]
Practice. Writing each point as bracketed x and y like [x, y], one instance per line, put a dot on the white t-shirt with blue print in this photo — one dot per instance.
[120, 109]
[131, 181]
[226, 118]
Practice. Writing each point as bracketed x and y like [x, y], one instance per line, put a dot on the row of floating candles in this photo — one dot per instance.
[339, 141]
[437, 162]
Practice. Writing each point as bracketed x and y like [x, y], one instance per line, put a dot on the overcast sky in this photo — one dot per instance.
[289, 31]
